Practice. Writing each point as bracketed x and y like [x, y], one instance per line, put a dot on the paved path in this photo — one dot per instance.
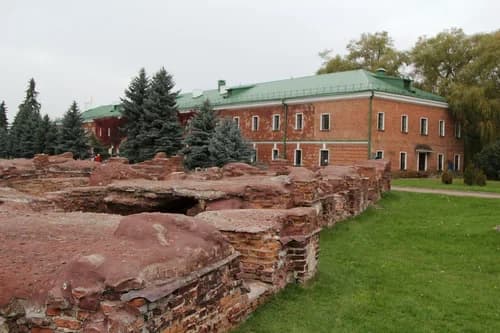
[447, 192]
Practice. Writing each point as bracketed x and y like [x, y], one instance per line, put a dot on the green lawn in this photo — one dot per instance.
[415, 263]
[458, 184]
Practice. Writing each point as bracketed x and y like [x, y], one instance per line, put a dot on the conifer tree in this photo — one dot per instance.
[161, 130]
[201, 130]
[23, 134]
[227, 145]
[3, 116]
[4, 136]
[133, 111]
[73, 137]
[47, 136]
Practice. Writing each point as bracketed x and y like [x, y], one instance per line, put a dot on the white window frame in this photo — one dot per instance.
[100, 131]
[442, 162]
[319, 157]
[376, 154]
[443, 127]
[109, 132]
[321, 122]
[274, 127]
[277, 154]
[302, 122]
[255, 125]
[403, 130]
[426, 126]
[236, 120]
[295, 157]
[426, 161]
[381, 124]
[406, 160]
[455, 166]
[458, 130]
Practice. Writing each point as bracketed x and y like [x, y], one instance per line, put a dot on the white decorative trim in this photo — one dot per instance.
[408, 99]
[407, 123]
[361, 142]
[381, 128]
[321, 122]
[426, 126]
[439, 128]
[302, 127]
[279, 122]
[258, 124]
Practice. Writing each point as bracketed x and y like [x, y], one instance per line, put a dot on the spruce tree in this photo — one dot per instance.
[227, 145]
[3, 116]
[160, 130]
[23, 134]
[4, 135]
[47, 136]
[201, 130]
[73, 136]
[133, 111]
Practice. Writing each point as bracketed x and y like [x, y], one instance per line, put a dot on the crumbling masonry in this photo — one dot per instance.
[90, 247]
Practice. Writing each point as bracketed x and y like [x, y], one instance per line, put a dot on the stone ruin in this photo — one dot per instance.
[113, 247]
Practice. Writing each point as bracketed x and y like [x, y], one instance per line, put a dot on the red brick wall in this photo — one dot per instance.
[348, 135]
[392, 141]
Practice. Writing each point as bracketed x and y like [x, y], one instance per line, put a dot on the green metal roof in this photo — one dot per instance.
[309, 86]
[103, 111]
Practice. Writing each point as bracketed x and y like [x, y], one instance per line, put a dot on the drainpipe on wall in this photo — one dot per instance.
[370, 107]
[285, 127]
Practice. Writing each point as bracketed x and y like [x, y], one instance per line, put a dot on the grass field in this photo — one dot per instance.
[414, 263]
[458, 184]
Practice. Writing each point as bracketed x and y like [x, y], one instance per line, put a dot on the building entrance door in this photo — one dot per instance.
[422, 161]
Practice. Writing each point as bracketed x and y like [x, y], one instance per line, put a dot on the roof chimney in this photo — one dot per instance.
[221, 84]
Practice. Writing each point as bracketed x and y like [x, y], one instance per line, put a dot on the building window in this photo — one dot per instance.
[237, 121]
[379, 154]
[325, 122]
[456, 164]
[324, 157]
[402, 160]
[424, 129]
[440, 161]
[299, 121]
[441, 127]
[276, 122]
[253, 156]
[298, 157]
[404, 123]
[109, 131]
[255, 123]
[100, 131]
[275, 154]
[458, 130]
[380, 121]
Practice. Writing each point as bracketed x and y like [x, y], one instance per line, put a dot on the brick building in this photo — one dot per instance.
[337, 118]
[341, 118]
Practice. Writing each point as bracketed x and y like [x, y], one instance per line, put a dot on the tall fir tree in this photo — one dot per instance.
[133, 111]
[227, 144]
[23, 134]
[4, 135]
[73, 137]
[3, 116]
[48, 136]
[160, 130]
[201, 130]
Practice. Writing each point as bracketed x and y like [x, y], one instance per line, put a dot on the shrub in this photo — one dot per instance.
[480, 178]
[447, 178]
[489, 160]
[469, 175]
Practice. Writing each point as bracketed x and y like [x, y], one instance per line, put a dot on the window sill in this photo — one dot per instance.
[324, 130]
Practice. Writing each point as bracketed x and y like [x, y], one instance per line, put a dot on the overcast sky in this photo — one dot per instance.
[89, 50]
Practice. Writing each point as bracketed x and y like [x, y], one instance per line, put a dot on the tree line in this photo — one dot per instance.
[465, 69]
[31, 134]
[153, 126]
